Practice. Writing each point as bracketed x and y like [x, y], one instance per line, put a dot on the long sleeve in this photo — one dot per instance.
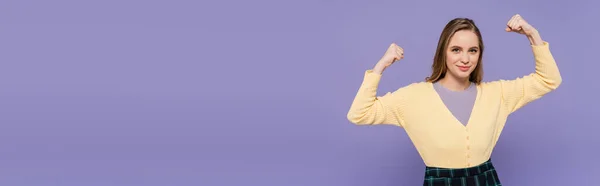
[369, 109]
[546, 78]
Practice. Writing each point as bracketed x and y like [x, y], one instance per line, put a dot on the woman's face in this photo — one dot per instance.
[462, 54]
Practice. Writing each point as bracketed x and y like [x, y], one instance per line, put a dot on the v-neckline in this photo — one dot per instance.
[447, 110]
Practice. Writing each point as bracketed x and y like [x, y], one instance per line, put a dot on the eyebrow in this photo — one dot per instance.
[454, 46]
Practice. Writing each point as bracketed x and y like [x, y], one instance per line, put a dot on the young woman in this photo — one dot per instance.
[453, 118]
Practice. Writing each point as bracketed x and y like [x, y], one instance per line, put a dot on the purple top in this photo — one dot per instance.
[460, 103]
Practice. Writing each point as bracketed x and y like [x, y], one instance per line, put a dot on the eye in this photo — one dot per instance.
[454, 50]
[473, 50]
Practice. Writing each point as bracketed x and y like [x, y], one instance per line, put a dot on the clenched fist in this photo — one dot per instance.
[519, 25]
[392, 54]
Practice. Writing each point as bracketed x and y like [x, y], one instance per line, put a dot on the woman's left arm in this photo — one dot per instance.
[546, 78]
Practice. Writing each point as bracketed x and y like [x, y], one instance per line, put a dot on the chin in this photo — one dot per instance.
[462, 75]
[465, 74]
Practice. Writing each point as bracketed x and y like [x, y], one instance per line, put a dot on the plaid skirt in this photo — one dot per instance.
[480, 175]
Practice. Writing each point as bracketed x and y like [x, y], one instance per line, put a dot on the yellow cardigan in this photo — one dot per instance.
[440, 139]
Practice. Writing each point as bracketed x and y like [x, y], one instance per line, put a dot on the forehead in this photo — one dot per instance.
[464, 38]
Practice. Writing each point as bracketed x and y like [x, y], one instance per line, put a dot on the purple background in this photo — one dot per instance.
[249, 93]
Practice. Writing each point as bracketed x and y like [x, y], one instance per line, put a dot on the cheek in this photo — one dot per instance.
[452, 58]
[474, 59]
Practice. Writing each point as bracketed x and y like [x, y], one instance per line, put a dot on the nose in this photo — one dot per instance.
[464, 58]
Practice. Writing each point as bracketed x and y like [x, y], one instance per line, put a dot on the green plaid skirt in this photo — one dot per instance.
[480, 175]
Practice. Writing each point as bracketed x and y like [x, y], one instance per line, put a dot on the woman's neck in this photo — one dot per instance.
[455, 84]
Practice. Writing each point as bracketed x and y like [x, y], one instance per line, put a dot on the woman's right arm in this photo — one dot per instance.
[369, 109]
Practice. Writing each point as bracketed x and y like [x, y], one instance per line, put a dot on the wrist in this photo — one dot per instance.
[534, 37]
[379, 68]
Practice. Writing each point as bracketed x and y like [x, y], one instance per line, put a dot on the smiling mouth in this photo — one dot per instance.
[464, 68]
